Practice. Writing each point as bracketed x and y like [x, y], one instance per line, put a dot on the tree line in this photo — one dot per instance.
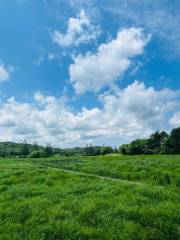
[23, 150]
[157, 143]
[10, 149]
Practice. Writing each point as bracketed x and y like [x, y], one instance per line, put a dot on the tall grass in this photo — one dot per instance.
[158, 170]
[40, 203]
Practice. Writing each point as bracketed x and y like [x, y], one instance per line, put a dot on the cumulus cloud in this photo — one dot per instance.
[4, 74]
[135, 111]
[161, 18]
[79, 30]
[175, 120]
[103, 68]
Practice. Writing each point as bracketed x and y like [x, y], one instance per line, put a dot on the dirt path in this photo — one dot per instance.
[94, 175]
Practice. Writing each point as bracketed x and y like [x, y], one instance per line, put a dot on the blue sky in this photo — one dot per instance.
[80, 71]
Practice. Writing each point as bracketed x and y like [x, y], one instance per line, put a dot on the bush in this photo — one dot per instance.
[172, 143]
[36, 154]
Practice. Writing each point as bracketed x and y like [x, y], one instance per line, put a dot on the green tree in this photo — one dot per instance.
[48, 151]
[36, 154]
[124, 149]
[24, 151]
[138, 146]
[91, 150]
[157, 139]
[106, 150]
[115, 150]
[172, 143]
[35, 145]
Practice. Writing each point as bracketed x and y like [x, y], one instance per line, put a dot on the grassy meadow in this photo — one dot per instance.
[108, 197]
[163, 170]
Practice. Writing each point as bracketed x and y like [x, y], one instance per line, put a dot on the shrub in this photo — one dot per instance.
[36, 154]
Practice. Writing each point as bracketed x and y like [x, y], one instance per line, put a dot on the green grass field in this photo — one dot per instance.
[109, 197]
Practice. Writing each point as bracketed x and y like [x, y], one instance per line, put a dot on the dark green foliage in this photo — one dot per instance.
[37, 154]
[115, 150]
[157, 139]
[9, 149]
[106, 150]
[48, 151]
[24, 151]
[124, 149]
[138, 146]
[172, 143]
[35, 145]
[92, 151]
[157, 143]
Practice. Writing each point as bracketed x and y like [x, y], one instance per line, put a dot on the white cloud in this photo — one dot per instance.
[4, 74]
[39, 60]
[42, 99]
[135, 111]
[51, 56]
[79, 30]
[103, 68]
[44, 56]
[175, 120]
[161, 18]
